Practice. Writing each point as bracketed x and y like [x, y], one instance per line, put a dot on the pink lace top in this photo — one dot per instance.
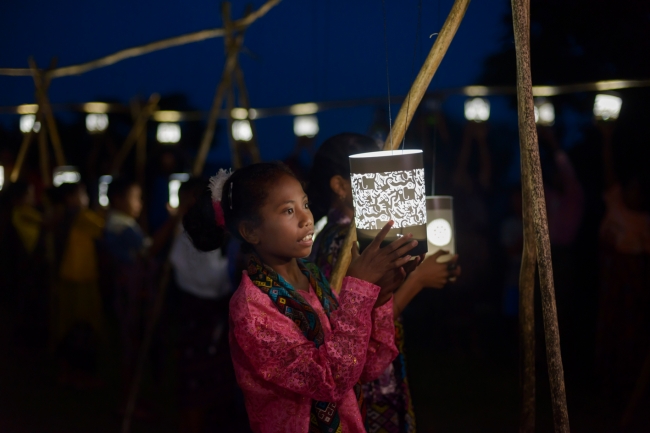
[280, 371]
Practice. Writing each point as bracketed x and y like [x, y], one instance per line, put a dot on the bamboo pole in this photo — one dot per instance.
[252, 146]
[222, 87]
[533, 190]
[44, 156]
[139, 127]
[404, 117]
[42, 80]
[22, 153]
[147, 48]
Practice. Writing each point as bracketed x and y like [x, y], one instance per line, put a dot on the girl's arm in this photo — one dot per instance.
[381, 348]
[276, 350]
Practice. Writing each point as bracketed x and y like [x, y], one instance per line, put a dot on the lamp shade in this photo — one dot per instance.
[65, 174]
[168, 133]
[389, 185]
[440, 224]
[241, 130]
[2, 177]
[96, 122]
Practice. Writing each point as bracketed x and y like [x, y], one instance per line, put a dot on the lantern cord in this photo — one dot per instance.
[415, 51]
[390, 117]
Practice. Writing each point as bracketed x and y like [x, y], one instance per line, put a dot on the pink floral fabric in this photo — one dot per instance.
[281, 372]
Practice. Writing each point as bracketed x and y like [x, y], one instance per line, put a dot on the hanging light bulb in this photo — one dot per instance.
[241, 130]
[104, 182]
[168, 133]
[477, 110]
[96, 122]
[440, 225]
[607, 107]
[544, 112]
[305, 126]
[389, 185]
[175, 181]
[65, 174]
[28, 123]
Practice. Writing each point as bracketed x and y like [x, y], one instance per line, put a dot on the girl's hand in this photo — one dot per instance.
[393, 280]
[375, 261]
[433, 274]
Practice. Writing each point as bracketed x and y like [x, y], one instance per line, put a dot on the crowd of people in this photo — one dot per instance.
[72, 270]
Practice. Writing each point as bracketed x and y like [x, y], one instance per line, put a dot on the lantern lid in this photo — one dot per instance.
[386, 161]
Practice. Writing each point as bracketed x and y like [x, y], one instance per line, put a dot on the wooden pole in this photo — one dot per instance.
[147, 48]
[22, 153]
[533, 191]
[139, 127]
[42, 83]
[222, 87]
[44, 156]
[253, 147]
[405, 116]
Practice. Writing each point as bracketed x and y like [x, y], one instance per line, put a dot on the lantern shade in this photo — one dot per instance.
[2, 177]
[241, 130]
[477, 110]
[65, 174]
[305, 126]
[440, 224]
[389, 185]
[168, 133]
[96, 122]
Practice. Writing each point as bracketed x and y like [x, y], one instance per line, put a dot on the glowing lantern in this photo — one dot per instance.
[104, 181]
[241, 130]
[544, 112]
[28, 123]
[65, 174]
[477, 110]
[168, 133]
[607, 107]
[440, 225]
[2, 177]
[389, 185]
[305, 126]
[96, 122]
[175, 181]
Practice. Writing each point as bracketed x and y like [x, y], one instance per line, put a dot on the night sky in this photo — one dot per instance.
[300, 51]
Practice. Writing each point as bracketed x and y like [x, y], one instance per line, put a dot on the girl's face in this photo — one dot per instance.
[287, 226]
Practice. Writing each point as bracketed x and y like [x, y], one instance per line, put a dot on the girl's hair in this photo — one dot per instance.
[243, 194]
[332, 159]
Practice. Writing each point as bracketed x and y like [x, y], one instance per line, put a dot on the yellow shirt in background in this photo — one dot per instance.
[79, 262]
[27, 221]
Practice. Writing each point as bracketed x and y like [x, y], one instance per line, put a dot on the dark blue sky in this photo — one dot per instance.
[302, 51]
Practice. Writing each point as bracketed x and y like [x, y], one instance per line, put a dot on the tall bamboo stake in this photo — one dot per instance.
[139, 128]
[533, 192]
[215, 110]
[404, 117]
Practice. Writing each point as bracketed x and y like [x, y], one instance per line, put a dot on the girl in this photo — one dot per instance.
[388, 398]
[298, 350]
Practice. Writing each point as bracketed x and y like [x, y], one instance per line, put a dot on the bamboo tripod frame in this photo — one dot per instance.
[536, 230]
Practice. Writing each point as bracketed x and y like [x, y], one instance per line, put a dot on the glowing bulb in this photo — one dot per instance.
[175, 181]
[241, 130]
[607, 107]
[2, 177]
[168, 133]
[477, 109]
[28, 123]
[439, 232]
[104, 181]
[96, 122]
[305, 126]
[65, 174]
[544, 112]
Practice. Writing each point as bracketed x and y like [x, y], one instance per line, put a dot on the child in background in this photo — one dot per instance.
[299, 351]
[77, 301]
[135, 271]
[206, 376]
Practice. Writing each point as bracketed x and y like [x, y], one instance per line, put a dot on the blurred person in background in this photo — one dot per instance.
[77, 306]
[206, 375]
